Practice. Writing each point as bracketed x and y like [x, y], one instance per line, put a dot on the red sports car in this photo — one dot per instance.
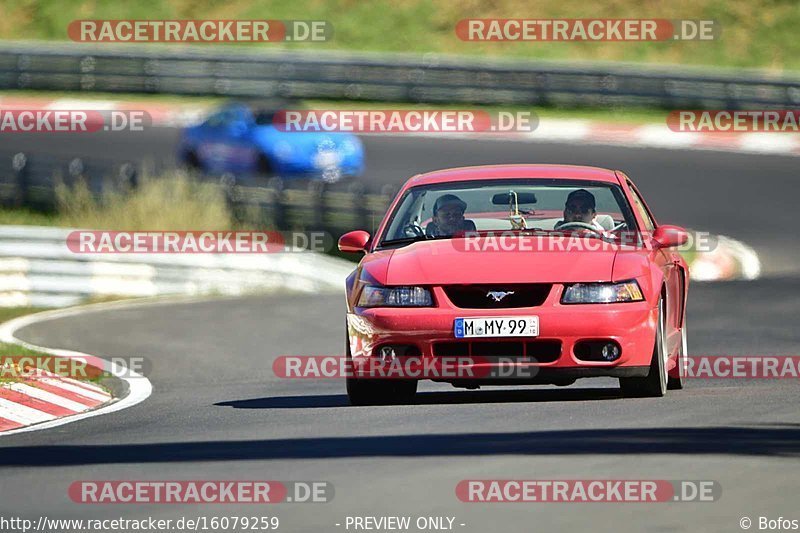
[516, 274]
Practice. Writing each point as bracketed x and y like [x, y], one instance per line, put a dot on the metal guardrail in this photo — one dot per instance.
[29, 180]
[202, 70]
[38, 269]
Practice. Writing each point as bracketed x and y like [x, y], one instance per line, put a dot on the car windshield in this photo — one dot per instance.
[530, 205]
[264, 117]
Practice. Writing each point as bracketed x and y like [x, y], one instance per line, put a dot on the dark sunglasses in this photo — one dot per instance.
[581, 208]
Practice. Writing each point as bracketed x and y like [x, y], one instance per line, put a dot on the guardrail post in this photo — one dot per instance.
[277, 201]
[127, 179]
[318, 204]
[360, 208]
[232, 201]
[19, 163]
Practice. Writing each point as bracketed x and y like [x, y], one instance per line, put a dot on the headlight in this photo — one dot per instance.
[602, 293]
[283, 150]
[373, 296]
[349, 147]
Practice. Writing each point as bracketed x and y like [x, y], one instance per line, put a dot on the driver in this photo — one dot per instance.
[580, 207]
[448, 217]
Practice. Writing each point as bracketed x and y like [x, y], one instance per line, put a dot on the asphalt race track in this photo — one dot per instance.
[218, 413]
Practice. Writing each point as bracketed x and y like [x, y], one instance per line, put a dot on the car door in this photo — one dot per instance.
[227, 145]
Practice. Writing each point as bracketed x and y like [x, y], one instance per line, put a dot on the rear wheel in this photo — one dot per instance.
[264, 166]
[655, 383]
[192, 161]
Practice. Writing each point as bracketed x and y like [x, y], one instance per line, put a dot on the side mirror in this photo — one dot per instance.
[667, 236]
[354, 241]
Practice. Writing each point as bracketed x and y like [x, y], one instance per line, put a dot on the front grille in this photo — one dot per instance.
[497, 296]
[541, 350]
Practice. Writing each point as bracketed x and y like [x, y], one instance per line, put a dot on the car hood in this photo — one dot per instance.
[443, 262]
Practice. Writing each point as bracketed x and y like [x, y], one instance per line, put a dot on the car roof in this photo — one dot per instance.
[263, 104]
[567, 172]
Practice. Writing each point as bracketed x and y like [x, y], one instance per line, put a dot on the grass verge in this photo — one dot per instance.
[757, 33]
[11, 371]
[171, 202]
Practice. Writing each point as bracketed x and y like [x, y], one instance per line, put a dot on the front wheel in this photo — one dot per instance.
[381, 391]
[377, 391]
[676, 383]
[655, 383]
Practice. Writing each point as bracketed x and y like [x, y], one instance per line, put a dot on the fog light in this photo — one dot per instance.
[387, 354]
[610, 352]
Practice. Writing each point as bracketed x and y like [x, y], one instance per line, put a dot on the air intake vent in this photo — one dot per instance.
[497, 296]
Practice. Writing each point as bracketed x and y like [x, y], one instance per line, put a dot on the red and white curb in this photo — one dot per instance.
[46, 397]
[47, 401]
[549, 129]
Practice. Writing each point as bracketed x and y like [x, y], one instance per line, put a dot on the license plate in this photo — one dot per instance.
[517, 326]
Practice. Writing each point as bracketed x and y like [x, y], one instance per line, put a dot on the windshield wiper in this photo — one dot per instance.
[404, 240]
[416, 238]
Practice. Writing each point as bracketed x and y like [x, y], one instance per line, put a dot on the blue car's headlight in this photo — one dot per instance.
[283, 150]
[349, 147]
[602, 293]
[374, 296]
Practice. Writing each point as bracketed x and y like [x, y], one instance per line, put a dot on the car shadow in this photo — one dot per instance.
[695, 441]
[321, 401]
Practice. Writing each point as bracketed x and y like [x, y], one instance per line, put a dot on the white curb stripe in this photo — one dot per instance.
[82, 384]
[46, 396]
[22, 414]
[86, 393]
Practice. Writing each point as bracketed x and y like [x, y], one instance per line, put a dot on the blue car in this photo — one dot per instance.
[241, 139]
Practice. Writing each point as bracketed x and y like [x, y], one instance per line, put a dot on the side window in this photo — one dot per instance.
[639, 205]
[216, 120]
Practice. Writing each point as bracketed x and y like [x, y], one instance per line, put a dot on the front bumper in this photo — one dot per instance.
[631, 325]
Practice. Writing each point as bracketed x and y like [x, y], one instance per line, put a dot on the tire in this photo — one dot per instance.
[193, 162]
[677, 383]
[378, 391]
[654, 385]
[264, 166]
[381, 391]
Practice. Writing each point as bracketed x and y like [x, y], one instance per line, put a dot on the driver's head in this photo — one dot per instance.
[579, 207]
[448, 213]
